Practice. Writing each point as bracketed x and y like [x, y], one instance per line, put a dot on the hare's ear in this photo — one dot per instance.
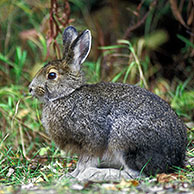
[69, 35]
[80, 49]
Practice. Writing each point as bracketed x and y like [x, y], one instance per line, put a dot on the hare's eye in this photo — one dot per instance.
[52, 75]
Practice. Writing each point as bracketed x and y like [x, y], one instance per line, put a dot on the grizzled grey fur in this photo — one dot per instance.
[108, 125]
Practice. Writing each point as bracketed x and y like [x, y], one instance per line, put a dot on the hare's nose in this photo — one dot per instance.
[30, 87]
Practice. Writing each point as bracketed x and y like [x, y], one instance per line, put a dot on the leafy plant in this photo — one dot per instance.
[92, 71]
[182, 101]
[131, 63]
[16, 66]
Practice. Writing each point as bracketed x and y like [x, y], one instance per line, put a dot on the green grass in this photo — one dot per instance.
[17, 64]
[182, 101]
[134, 62]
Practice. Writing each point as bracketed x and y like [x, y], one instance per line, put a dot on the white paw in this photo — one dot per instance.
[103, 175]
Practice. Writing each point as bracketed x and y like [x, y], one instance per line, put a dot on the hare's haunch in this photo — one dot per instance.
[123, 128]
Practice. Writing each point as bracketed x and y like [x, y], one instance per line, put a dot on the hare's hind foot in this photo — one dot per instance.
[106, 174]
[83, 163]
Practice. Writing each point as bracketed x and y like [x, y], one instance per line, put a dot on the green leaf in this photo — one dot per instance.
[118, 76]
[185, 40]
[112, 47]
[128, 71]
[5, 60]
[43, 151]
[22, 6]
[44, 44]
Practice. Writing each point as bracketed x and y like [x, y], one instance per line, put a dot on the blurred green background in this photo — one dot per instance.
[149, 43]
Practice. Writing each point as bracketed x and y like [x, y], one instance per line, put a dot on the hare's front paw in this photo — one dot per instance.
[105, 174]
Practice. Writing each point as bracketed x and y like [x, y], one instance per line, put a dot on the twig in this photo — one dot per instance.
[132, 28]
[140, 22]
[55, 23]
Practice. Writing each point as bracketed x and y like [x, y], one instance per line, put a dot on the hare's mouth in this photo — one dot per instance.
[39, 91]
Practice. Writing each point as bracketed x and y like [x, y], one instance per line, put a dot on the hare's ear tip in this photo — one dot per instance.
[70, 28]
[88, 32]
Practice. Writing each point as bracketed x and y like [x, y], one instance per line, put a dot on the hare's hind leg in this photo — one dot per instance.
[109, 169]
[127, 172]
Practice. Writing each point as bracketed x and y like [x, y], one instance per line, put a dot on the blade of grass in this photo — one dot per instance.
[112, 47]
[5, 60]
[128, 71]
[118, 76]
[130, 47]
[185, 40]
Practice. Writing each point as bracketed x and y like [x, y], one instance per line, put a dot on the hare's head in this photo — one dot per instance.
[60, 78]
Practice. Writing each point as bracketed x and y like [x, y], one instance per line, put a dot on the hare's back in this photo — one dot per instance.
[129, 98]
[131, 108]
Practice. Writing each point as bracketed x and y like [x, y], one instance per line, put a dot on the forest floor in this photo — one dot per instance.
[48, 177]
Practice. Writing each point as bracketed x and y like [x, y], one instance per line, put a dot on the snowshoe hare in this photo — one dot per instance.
[117, 130]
